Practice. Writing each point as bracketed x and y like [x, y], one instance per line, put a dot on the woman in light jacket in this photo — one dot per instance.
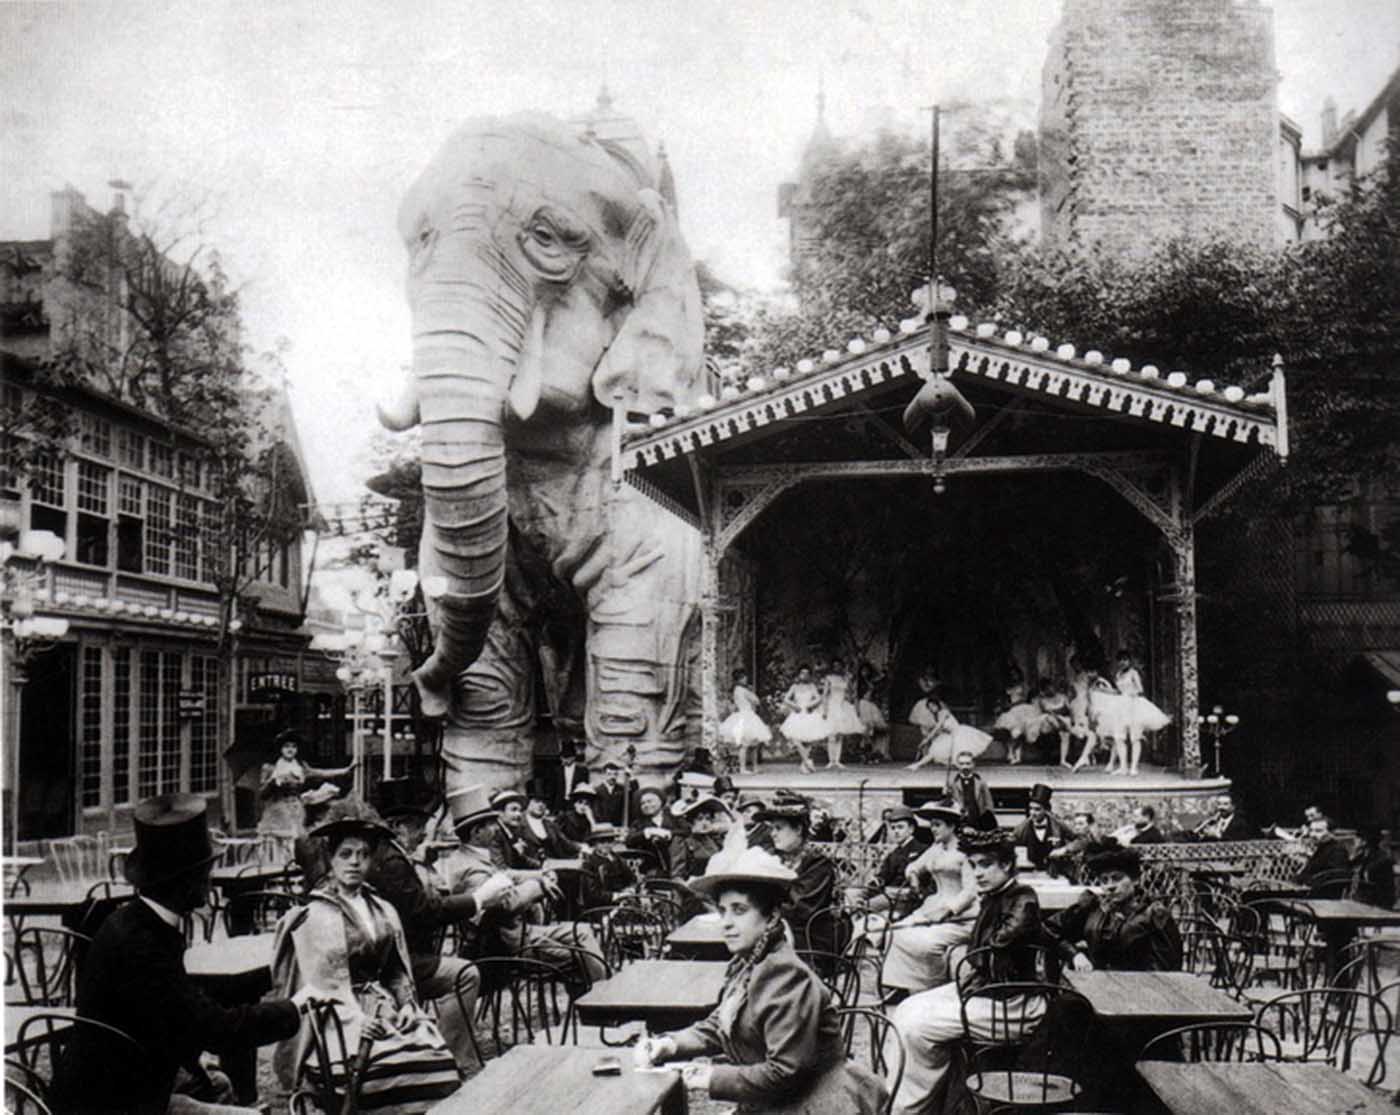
[775, 1022]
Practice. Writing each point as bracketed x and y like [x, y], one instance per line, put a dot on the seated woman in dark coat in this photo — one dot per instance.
[1122, 930]
[775, 1022]
[814, 888]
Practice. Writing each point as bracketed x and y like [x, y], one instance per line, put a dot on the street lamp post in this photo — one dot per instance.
[1218, 724]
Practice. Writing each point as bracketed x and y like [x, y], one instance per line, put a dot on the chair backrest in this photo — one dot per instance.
[24, 1099]
[840, 974]
[981, 966]
[580, 967]
[1317, 1023]
[634, 933]
[257, 911]
[531, 988]
[1006, 1013]
[1331, 884]
[829, 929]
[666, 907]
[47, 960]
[325, 1069]
[886, 1045]
[1213, 1041]
[43, 1041]
[79, 859]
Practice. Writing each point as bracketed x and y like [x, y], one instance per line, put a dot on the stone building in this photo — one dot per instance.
[1159, 118]
[132, 700]
[1351, 148]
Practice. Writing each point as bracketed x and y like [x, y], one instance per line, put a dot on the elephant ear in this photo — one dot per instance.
[658, 353]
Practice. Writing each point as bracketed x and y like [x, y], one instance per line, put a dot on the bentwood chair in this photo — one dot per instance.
[576, 967]
[43, 1039]
[1213, 1041]
[25, 1092]
[530, 991]
[323, 1075]
[840, 974]
[257, 911]
[1319, 1024]
[885, 1042]
[46, 960]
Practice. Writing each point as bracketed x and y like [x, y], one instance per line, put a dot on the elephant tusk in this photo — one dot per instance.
[525, 384]
[401, 414]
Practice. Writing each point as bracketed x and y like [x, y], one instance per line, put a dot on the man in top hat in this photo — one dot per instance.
[134, 979]
[1041, 832]
[560, 782]
[888, 890]
[503, 929]
[400, 880]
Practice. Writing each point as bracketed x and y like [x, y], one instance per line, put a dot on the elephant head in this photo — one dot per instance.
[547, 277]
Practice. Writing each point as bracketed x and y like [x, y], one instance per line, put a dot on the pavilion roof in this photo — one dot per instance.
[1028, 366]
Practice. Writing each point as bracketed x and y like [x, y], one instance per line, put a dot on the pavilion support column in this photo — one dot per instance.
[709, 647]
[1188, 708]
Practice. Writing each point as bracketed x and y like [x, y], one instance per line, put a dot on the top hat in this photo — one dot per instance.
[752, 865]
[509, 794]
[469, 805]
[899, 813]
[394, 798]
[568, 748]
[172, 838]
[1041, 794]
[943, 810]
[1126, 860]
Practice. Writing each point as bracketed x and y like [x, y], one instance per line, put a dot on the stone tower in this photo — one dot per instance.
[1159, 118]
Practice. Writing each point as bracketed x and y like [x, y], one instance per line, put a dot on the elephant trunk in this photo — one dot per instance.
[462, 375]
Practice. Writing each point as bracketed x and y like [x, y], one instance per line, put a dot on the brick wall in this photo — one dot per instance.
[1159, 118]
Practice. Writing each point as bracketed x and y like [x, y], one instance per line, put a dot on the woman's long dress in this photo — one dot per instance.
[841, 715]
[366, 970]
[744, 726]
[918, 956]
[282, 811]
[805, 723]
[948, 738]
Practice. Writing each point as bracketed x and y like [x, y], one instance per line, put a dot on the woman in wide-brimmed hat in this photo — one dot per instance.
[789, 821]
[282, 783]
[923, 939]
[348, 944]
[775, 1022]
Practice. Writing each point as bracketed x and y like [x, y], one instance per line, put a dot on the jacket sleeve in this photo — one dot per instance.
[1020, 925]
[815, 887]
[398, 883]
[786, 1002]
[1066, 929]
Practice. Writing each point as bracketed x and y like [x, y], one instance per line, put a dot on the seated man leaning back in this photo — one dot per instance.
[506, 929]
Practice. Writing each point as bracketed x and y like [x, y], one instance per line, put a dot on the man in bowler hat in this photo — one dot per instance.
[134, 979]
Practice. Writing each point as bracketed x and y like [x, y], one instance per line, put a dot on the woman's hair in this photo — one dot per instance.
[739, 672]
[837, 662]
[766, 897]
[803, 666]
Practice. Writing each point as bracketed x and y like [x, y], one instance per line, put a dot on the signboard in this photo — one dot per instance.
[191, 704]
[272, 680]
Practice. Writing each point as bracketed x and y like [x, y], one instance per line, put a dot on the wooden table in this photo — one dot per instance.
[1258, 1089]
[558, 1080]
[16, 1017]
[1162, 999]
[701, 938]
[1338, 919]
[665, 994]
[52, 898]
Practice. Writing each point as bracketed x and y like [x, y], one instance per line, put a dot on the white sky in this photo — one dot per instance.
[303, 122]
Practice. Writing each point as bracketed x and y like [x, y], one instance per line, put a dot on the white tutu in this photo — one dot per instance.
[744, 727]
[871, 715]
[843, 719]
[1017, 719]
[1115, 716]
[945, 745]
[806, 727]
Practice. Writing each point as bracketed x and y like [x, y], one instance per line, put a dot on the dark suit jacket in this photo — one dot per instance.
[1138, 936]
[1150, 835]
[574, 826]
[1038, 850]
[134, 979]
[608, 805]
[893, 866]
[421, 909]
[556, 794]
[1327, 858]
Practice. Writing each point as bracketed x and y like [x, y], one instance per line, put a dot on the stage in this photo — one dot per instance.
[864, 790]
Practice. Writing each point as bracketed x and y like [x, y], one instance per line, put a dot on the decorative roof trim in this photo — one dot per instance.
[1089, 381]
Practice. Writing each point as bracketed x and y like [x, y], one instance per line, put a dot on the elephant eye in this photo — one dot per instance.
[543, 235]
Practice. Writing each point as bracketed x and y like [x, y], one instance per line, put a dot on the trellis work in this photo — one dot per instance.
[723, 499]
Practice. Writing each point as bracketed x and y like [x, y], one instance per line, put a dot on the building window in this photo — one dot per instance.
[158, 711]
[131, 448]
[170, 724]
[204, 733]
[210, 554]
[47, 493]
[187, 538]
[121, 725]
[90, 727]
[95, 435]
[94, 488]
[158, 501]
[131, 524]
[189, 471]
[162, 460]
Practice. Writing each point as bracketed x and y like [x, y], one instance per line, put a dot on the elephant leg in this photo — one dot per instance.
[490, 734]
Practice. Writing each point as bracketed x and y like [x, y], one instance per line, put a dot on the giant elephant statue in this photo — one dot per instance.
[547, 282]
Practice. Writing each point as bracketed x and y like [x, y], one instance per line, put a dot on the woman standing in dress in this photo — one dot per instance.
[283, 813]
[872, 716]
[348, 945]
[920, 942]
[804, 724]
[776, 1023]
[946, 737]
[744, 728]
[841, 716]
